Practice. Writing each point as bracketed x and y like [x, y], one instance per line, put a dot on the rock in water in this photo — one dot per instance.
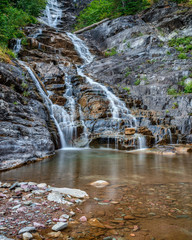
[2, 237]
[27, 236]
[99, 184]
[27, 229]
[129, 131]
[59, 226]
[77, 193]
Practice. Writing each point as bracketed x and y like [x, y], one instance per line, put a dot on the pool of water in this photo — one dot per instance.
[155, 189]
[77, 168]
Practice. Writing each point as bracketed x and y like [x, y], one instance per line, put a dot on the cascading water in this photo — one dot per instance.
[52, 14]
[118, 109]
[17, 46]
[142, 142]
[51, 107]
[170, 135]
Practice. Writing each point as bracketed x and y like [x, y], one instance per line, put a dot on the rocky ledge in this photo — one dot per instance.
[147, 60]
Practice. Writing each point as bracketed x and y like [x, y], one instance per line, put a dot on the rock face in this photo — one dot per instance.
[25, 126]
[134, 60]
[146, 66]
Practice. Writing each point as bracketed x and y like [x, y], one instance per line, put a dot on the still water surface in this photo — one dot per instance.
[77, 168]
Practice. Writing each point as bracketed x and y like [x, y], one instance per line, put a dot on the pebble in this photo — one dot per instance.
[42, 185]
[99, 184]
[54, 234]
[65, 216]
[59, 226]
[2, 237]
[16, 184]
[26, 229]
[83, 219]
[27, 236]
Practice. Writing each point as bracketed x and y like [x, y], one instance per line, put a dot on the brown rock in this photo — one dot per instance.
[54, 234]
[129, 131]
[95, 223]
[129, 217]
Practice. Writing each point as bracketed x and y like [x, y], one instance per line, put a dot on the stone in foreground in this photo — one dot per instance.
[27, 229]
[77, 193]
[99, 184]
[27, 236]
[2, 237]
[59, 226]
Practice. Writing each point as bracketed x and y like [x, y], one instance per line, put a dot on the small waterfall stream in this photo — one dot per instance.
[51, 107]
[52, 14]
[118, 109]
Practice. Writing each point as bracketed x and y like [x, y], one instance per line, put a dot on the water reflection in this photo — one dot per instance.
[80, 167]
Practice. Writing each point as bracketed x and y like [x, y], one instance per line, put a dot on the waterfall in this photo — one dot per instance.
[170, 135]
[118, 109]
[17, 46]
[52, 14]
[142, 142]
[51, 107]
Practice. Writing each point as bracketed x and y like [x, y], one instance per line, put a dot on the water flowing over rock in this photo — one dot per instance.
[68, 93]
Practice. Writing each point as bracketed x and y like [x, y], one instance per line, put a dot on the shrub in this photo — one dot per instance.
[188, 87]
[127, 89]
[111, 52]
[182, 56]
[137, 82]
[97, 10]
[171, 91]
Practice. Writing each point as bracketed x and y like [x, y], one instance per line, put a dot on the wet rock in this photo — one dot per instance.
[99, 183]
[16, 184]
[27, 236]
[42, 185]
[54, 234]
[27, 229]
[130, 131]
[83, 219]
[58, 198]
[2, 237]
[129, 217]
[77, 193]
[95, 223]
[59, 226]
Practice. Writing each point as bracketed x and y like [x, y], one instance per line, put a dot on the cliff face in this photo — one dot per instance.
[140, 66]
[148, 67]
[26, 131]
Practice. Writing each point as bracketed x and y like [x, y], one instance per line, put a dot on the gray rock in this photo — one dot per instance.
[2, 237]
[59, 226]
[27, 229]
[27, 236]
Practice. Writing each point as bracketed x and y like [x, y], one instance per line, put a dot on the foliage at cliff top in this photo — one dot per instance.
[14, 14]
[100, 9]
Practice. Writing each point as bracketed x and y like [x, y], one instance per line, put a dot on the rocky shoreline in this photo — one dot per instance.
[28, 207]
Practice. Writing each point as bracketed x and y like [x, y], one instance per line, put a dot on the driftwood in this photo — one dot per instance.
[91, 26]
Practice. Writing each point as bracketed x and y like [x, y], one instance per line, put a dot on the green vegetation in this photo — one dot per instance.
[171, 91]
[188, 87]
[175, 105]
[137, 82]
[98, 10]
[111, 52]
[15, 14]
[183, 45]
[127, 89]
[182, 56]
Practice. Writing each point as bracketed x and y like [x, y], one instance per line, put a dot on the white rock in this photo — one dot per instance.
[59, 226]
[99, 184]
[32, 183]
[58, 198]
[38, 192]
[26, 229]
[65, 216]
[77, 193]
[2, 237]
[17, 206]
[42, 185]
[27, 236]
